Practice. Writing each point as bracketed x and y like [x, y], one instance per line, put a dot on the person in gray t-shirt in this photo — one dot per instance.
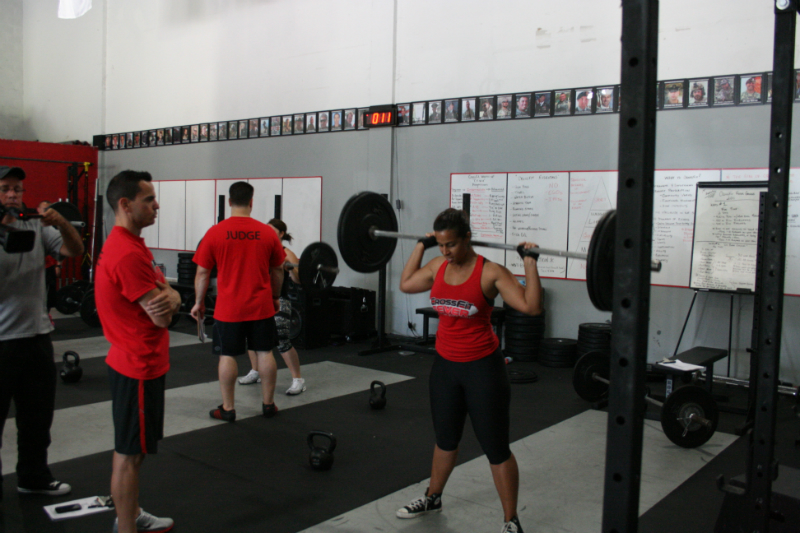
[28, 373]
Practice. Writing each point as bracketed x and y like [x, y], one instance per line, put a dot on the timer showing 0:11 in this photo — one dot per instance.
[378, 119]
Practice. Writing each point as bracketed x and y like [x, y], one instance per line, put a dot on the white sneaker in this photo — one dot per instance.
[146, 522]
[298, 386]
[250, 378]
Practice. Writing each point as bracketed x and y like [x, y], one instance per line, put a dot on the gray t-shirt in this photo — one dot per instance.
[23, 311]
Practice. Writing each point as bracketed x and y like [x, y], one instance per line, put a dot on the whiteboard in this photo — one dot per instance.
[487, 208]
[673, 222]
[726, 236]
[302, 211]
[223, 189]
[791, 283]
[200, 196]
[264, 192]
[538, 212]
[172, 229]
[591, 194]
[150, 233]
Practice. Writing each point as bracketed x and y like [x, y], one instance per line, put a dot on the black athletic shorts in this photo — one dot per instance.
[478, 388]
[235, 338]
[138, 410]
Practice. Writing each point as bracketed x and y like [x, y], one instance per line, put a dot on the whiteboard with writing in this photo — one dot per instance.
[487, 208]
[726, 236]
[673, 222]
[791, 283]
[591, 194]
[538, 212]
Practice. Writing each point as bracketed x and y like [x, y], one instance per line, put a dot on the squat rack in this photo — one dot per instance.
[631, 291]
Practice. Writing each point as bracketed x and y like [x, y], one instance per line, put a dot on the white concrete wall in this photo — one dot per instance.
[62, 72]
[190, 61]
[11, 69]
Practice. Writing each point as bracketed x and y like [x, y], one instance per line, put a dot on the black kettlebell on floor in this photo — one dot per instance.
[377, 398]
[321, 458]
[71, 371]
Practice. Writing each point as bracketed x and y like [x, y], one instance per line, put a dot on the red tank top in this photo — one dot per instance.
[465, 329]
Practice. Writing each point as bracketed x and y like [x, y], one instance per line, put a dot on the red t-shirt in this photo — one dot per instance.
[125, 272]
[465, 330]
[243, 250]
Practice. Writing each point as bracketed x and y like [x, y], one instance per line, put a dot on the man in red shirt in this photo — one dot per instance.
[249, 260]
[135, 305]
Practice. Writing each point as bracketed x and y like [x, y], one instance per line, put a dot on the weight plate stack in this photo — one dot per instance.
[555, 352]
[522, 334]
[186, 269]
[594, 337]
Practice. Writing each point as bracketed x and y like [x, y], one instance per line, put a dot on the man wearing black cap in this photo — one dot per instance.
[26, 352]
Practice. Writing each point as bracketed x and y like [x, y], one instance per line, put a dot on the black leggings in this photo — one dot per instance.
[478, 388]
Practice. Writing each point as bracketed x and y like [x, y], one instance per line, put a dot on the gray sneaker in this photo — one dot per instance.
[147, 523]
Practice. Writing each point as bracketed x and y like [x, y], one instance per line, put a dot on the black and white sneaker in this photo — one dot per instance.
[54, 488]
[512, 526]
[421, 506]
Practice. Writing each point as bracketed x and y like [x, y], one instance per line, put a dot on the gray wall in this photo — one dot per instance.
[424, 158]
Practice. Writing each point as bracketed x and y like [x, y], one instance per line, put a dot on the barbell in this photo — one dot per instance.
[367, 235]
[689, 415]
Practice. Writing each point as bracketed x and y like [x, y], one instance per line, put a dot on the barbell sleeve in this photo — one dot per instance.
[376, 233]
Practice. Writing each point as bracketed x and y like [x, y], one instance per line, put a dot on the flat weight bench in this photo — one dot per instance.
[497, 319]
[700, 356]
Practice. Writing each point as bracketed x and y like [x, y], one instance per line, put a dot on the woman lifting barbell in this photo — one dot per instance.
[469, 374]
[283, 320]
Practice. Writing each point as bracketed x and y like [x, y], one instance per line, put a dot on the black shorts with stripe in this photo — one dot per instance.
[138, 411]
[235, 338]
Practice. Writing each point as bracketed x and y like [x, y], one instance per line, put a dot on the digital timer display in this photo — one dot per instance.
[380, 116]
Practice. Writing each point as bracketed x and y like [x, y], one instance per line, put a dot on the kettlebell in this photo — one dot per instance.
[321, 458]
[377, 399]
[71, 371]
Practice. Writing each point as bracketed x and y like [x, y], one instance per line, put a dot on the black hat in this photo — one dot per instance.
[583, 94]
[12, 172]
[673, 87]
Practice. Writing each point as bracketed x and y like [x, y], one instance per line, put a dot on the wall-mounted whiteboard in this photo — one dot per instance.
[591, 194]
[171, 229]
[150, 233]
[264, 192]
[302, 201]
[199, 210]
[673, 222]
[538, 212]
[190, 207]
[487, 208]
[791, 283]
[530, 206]
[726, 235]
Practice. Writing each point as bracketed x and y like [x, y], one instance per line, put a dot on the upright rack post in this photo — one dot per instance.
[631, 306]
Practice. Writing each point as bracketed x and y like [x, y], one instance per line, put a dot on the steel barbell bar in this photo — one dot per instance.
[368, 232]
[376, 233]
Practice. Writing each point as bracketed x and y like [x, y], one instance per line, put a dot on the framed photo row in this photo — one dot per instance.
[688, 93]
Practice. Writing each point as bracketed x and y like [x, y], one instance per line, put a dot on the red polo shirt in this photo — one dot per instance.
[125, 272]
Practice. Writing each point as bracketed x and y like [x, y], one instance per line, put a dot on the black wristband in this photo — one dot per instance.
[525, 252]
[428, 242]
